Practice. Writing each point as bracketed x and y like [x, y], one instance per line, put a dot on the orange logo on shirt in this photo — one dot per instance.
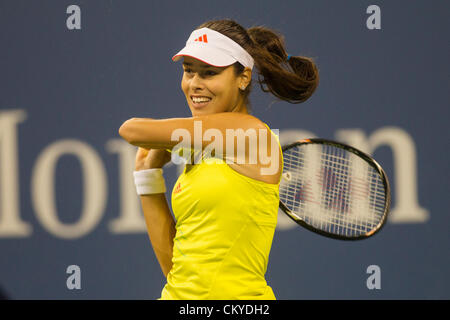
[177, 189]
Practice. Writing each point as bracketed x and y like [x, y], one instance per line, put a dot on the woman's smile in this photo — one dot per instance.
[199, 101]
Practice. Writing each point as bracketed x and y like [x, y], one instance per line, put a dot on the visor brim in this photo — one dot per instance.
[209, 55]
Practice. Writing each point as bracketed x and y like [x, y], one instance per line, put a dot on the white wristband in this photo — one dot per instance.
[149, 181]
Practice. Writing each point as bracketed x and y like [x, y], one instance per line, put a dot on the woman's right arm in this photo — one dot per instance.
[158, 218]
[160, 228]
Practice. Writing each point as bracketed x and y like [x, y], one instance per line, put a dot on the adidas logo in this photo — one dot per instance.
[203, 38]
[177, 189]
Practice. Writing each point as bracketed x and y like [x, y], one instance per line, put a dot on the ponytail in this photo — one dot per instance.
[294, 79]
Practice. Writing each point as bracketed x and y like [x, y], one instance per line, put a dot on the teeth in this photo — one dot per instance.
[200, 99]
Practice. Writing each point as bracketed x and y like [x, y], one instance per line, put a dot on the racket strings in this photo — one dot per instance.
[332, 189]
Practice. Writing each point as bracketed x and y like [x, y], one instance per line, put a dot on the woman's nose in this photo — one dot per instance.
[196, 82]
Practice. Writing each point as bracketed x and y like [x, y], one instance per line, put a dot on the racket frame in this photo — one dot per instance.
[374, 164]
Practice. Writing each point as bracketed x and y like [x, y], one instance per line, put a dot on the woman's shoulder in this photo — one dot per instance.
[238, 119]
[268, 168]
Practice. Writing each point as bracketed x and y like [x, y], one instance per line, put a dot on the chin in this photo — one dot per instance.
[201, 112]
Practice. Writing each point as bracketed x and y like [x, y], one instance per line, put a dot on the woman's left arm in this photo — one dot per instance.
[157, 133]
[239, 127]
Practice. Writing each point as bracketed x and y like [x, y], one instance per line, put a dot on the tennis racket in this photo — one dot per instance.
[334, 189]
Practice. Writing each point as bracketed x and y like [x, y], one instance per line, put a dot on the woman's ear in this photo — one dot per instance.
[245, 78]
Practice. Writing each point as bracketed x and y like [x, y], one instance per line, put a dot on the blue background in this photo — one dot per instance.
[83, 84]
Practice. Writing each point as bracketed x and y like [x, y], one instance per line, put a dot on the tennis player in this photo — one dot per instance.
[225, 209]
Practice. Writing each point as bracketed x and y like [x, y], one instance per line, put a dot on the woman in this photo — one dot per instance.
[226, 204]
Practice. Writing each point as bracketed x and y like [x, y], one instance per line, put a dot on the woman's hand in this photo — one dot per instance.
[150, 159]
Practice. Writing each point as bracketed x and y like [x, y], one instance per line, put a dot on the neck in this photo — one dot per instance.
[240, 107]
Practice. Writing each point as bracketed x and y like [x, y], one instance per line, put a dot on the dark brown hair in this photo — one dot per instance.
[293, 80]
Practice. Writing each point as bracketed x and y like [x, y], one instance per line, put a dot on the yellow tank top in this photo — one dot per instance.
[225, 222]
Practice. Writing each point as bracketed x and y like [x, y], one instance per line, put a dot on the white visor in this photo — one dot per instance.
[215, 49]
